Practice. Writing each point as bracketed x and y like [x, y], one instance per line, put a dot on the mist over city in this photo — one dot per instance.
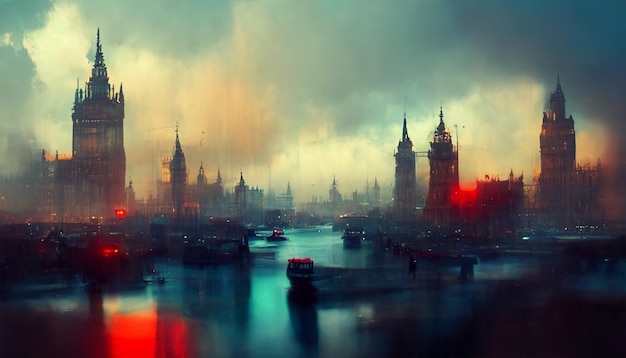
[312, 178]
[291, 92]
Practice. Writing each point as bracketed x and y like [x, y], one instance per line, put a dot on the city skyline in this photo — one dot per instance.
[303, 92]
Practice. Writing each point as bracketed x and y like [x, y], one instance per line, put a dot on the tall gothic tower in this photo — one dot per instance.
[404, 196]
[98, 165]
[557, 143]
[444, 177]
[178, 178]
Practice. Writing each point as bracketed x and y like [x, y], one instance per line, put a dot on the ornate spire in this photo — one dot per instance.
[557, 102]
[442, 126]
[98, 86]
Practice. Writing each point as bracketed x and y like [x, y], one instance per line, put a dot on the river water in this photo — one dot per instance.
[368, 306]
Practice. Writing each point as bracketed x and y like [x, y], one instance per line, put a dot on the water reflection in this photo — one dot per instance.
[368, 306]
[305, 328]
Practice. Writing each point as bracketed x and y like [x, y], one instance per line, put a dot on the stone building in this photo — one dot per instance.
[405, 186]
[90, 182]
[567, 193]
[443, 157]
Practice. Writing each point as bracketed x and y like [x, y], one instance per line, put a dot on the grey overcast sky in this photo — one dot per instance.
[304, 91]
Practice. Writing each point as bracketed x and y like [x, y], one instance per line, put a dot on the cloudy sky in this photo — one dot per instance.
[304, 91]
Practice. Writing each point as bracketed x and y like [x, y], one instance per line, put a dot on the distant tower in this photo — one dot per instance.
[404, 196]
[241, 192]
[557, 143]
[201, 178]
[333, 193]
[284, 201]
[376, 199]
[98, 166]
[444, 178]
[178, 178]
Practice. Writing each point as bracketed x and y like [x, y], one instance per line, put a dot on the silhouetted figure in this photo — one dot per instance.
[412, 266]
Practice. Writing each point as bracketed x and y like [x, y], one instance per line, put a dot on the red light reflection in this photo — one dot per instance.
[148, 334]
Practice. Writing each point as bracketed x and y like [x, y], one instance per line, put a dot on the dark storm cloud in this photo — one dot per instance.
[580, 40]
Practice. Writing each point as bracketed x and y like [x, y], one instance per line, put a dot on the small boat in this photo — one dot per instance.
[300, 272]
[353, 236]
[277, 235]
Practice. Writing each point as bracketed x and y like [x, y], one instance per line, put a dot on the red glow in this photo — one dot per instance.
[463, 197]
[109, 252]
[133, 335]
[149, 334]
[121, 213]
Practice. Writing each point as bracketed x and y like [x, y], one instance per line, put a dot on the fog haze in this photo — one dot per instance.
[301, 92]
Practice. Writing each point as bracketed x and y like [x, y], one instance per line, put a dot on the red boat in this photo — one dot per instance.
[300, 271]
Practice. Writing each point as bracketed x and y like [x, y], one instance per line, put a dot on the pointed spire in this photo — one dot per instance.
[76, 94]
[99, 55]
[405, 132]
[98, 85]
[557, 102]
[441, 128]
[559, 91]
[178, 150]
[121, 93]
